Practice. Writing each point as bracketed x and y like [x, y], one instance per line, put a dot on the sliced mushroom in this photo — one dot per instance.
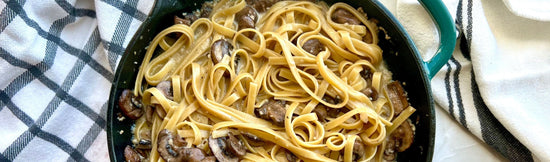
[160, 111]
[150, 112]
[252, 139]
[366, 74]
[321, 111]
[144, 144]
[343, 16]
[218, 146]
[371, 93]
[130, 104]
[290, 156]
[273, 110]
[246, 18]
[397, 97]
[166, 88]
[261, 113]
[400, 140]
[131, 155]
[209, 159]
[261, 5]
[390, 153]
[332, 112]
[193, 154]
[170, 147]
[219, 49]
[368, 37]
[405, 136]
[313, 46]
[235, 145]
[187, 19]
[358, 149]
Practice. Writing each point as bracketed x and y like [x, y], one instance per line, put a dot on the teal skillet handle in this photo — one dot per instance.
[447, 35]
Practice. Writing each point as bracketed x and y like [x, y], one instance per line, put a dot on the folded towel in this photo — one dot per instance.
[532, 9]
[57, 60]
[496, 83]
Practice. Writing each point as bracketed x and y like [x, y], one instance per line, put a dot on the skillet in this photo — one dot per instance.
[399, 52]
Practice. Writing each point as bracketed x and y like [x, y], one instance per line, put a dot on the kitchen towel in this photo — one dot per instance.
[497, 82]
[57, 61]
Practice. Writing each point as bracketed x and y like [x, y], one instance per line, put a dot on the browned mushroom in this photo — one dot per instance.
[160, 111]
[227, 148]
[313, 46]
[368, 37]
[290, 156]
[193, 155]
[150, 111]
[333, 112]
[246, 18]
[144, 141]
[144, 144]
[358, 149]
[397, 97]
[130, 104]
[261, 5]
[273, 110]
[131, 155]
[321, 111]
[209, 159]
[170, 148]
[371, 93]
[366, 74]
[343, 16]
[187, 19]
[235, 145]
[218, 148]
[252, 139]
[166, 88]
[400, 140]
[219, 49]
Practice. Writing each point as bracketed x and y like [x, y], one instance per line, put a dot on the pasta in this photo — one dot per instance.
[273, 83]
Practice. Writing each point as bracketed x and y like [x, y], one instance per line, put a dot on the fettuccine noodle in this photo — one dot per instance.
[216, 99]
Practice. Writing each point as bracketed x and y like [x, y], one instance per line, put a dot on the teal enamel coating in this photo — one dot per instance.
[447, 35]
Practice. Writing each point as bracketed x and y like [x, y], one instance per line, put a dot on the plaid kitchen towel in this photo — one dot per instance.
[57, 61]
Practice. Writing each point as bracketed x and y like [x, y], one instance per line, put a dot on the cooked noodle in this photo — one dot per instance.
[216, 99]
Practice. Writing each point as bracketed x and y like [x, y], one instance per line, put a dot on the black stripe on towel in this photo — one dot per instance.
[448, 90]
[456, 81]
[494, 133]
[469, 28]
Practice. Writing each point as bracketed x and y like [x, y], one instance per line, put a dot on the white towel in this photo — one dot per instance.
[57, 61]
[497, 84]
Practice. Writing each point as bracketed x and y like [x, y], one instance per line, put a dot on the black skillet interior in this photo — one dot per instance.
[399, 53]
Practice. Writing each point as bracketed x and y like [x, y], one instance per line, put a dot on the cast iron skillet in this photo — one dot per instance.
[400, 54]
